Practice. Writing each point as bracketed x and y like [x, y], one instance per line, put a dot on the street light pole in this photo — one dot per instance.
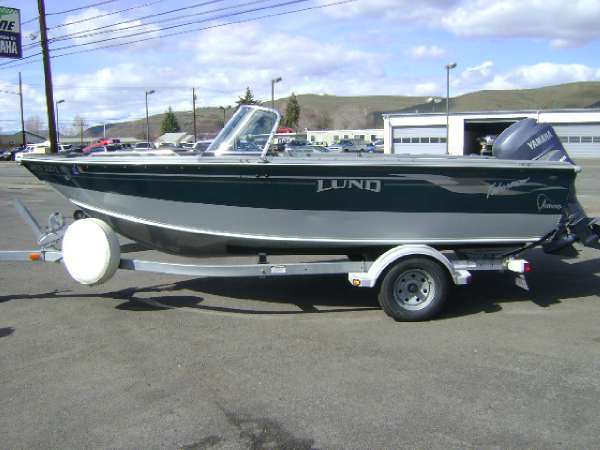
[448, 68]
[147, 120]
[273, 82]
[24, 138]
[194, 111]
[57, 122]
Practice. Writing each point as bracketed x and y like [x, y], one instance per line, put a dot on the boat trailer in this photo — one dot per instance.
[413, 280]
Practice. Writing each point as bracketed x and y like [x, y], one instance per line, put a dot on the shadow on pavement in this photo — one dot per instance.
[552, 281]
[6, 331]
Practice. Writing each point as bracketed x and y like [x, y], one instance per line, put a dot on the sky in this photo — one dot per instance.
[360, 47]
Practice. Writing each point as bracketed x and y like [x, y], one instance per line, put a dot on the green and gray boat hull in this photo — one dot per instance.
[341, 205]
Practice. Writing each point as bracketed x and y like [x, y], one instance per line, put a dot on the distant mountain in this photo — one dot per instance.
[334, 112]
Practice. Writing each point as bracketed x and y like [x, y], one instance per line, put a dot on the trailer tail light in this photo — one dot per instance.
[519, 266]
[35, 257]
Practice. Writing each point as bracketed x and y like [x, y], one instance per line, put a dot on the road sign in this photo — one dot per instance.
[10, 33]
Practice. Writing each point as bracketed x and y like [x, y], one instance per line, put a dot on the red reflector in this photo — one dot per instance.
[527, 267]
[35, 257]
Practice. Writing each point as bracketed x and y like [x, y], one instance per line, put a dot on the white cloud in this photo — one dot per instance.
[427, 51]
[543, 74]
[485, 76]
[568, 23]
[565, 24]
[398, 10]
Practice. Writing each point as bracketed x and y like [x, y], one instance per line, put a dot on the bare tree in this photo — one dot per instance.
[33, 124]
[79, 125]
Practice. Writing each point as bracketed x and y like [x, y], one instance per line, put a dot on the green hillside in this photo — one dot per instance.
[328, 111]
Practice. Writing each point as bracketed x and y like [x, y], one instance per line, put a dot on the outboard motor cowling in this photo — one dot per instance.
[529, 140]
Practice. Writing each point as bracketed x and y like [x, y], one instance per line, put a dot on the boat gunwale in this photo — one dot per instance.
[388, 161]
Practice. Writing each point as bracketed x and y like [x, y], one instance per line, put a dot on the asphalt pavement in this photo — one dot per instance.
[162, 362]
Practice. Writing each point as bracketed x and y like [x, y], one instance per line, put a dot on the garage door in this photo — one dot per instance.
[420, 140]
[580, 140]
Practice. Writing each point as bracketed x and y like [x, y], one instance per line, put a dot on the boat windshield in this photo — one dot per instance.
[249, 131]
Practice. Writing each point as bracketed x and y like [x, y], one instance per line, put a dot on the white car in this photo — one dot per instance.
[37, 149]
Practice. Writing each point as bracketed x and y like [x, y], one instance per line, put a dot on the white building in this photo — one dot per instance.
[329, 137]
[578, 129]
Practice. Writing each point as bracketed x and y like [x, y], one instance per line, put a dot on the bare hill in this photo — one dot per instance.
[328, 111]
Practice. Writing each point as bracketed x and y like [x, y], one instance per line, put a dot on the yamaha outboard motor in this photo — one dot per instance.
[530, 140]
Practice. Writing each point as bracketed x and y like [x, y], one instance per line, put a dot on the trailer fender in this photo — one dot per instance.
[389, 258]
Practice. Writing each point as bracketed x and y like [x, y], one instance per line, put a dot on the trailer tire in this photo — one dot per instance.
[414, 289]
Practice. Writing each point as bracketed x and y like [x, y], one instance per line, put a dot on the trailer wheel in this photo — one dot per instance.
[414, 289]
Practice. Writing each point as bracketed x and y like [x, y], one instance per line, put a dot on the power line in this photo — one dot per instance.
[33, 19]
[223, 16]
[266, 16]
[85, 33]
[131, 8]
[105, 2]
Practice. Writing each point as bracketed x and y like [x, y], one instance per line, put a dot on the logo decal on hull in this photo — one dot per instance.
[503, 187]
[544, 203]
[363, 185]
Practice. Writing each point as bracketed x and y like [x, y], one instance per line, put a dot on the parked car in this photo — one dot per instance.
[38, 149]
[346, 145]
[63, 148]
[201, 146]
[5, 155]
[375, 146]
[304, 150]
[105, 149]
[144, 146]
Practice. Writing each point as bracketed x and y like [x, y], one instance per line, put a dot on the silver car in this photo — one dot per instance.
[346, 145]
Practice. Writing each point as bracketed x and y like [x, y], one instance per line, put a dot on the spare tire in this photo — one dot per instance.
[91, 251]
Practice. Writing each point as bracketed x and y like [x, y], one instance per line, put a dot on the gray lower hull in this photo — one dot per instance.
[203, 229]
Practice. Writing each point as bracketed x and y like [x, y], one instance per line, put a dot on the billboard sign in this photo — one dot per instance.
[10, 33]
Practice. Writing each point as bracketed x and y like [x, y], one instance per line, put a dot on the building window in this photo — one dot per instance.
[442, 140]
[564, 139]
[336, 138]
[424, 140]
[596, 139]
[313, 138]
[586, 139]
[373, 137]
[346, 136]
[434, 140]
[406, 140]
[414, 140]
[574, 140]
[359, 137]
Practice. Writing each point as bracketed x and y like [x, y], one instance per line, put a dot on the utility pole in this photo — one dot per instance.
[22, 118]
[47, 77]
[194, 111]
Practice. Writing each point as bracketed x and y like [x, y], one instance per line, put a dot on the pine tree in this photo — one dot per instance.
[169, 123]
[292, 112]
[247, 99]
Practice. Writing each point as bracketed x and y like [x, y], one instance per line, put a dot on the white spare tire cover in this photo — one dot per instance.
[91, 251]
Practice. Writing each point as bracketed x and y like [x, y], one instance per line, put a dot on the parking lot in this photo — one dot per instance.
[152, 361]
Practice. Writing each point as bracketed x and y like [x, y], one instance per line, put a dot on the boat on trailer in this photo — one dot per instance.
[237, 197]
[413, 224]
